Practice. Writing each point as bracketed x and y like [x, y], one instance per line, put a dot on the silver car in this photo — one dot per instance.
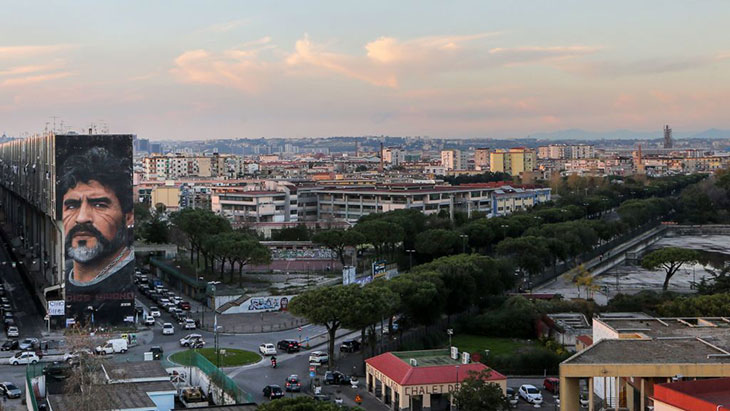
[28, 343]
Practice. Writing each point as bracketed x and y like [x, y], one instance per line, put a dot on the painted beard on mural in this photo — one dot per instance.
[84, 254]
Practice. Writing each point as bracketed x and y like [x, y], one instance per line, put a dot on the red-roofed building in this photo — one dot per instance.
[415, 380]
[700, 395]
[582, 342]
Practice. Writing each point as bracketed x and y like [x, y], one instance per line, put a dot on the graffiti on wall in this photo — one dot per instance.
[275, 303]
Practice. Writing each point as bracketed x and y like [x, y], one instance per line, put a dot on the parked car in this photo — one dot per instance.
[322, 397]
[168, 329]
[13, 331]
[267, 349]
[273, 392]
[155, 312]
[350, 346]
[293, 383]
[149, 320]
[184, 305]
[10, 390]
[115, 345]
[552, 385]
[28, 343]
[156, 352]
[318, 357]
[24, 357]
[189, 324]
[58, 370]
[289, 346]
[10, 345]
[512, 396]
[530, 393]
[190, 340]
[336, 378]
[74, 358]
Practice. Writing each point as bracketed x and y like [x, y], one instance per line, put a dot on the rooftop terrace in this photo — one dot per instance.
[427, 358]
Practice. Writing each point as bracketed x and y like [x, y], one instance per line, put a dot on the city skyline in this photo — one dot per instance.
[287, 69]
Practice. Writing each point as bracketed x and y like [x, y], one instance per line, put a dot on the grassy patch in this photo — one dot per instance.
[233, 357]
[496, 346]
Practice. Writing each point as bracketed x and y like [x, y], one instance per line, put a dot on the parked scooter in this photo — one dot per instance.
[273, 362]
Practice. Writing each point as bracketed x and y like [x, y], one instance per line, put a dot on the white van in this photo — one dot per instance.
[116, 345]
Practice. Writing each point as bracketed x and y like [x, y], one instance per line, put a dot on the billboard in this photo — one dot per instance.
[94, 203]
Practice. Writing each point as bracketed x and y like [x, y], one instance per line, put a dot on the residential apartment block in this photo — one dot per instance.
[451, 159]
[494, 199]
[513, 161]
[393, 156]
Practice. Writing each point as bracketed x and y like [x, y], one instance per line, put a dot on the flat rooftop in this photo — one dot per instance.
[656, 351]
[427, 358]
[135, 370]
[118, 396]
[715, 330]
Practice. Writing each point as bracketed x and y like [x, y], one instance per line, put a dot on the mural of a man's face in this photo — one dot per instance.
[93, 221]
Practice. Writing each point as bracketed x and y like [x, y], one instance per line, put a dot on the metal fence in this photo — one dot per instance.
[32, 371]
[556, 271]
[218, 377]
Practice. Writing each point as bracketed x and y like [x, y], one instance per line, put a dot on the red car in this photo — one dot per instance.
[184, 305]
[551, 384]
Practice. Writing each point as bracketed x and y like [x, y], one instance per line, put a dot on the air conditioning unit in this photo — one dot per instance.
[413, 362]
[465, 358]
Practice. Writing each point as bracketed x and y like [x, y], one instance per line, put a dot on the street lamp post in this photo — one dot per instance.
[410, 258]
[450, 332]
[463, 243]
[215, 326]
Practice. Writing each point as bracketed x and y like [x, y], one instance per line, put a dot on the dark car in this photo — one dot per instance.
[273, 392]
[9, 345]
[322, 397]
[58, 370]
[289, 346]
[350, 346]
[156, 352]
[184, 305]
[335, 378]
[293, 383]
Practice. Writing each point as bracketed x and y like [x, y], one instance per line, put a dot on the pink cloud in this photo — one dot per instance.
[242, 69]
[23, 81]
[307, 53]
[388, 60]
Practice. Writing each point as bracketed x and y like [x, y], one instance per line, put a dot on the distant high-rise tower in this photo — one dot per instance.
[667, 137]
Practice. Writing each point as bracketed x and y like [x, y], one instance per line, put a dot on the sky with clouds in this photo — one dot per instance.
[228, 69]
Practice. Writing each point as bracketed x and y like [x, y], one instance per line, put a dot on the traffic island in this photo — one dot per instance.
[229, 357]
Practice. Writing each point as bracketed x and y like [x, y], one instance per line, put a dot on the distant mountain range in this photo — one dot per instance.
[577, 134]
